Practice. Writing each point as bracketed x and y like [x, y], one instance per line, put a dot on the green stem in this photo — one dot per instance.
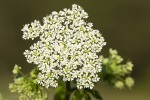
[68, 90]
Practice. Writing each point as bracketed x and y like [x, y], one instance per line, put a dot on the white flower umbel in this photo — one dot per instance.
[68, 47]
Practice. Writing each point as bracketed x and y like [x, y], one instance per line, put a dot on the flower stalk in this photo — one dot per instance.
[68, 90]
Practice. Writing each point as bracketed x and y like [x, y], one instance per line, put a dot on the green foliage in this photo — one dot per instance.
[26, 85]
[95, 94]
[80, 94]
[86, 94]
[60, 92]
[72, 93]
[116, 73]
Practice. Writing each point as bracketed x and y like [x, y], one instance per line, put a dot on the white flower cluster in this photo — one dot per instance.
[68, 48]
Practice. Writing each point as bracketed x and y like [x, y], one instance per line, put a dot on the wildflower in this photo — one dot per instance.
[68, 47]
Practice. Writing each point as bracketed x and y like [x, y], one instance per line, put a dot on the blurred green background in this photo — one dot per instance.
[125, 24]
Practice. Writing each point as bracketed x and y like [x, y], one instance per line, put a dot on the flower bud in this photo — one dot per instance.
[16, 69]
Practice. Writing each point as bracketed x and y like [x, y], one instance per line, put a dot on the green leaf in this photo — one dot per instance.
[80, 94]
[95, 94]
[77, 95]
[87, 96]
[60, 92]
